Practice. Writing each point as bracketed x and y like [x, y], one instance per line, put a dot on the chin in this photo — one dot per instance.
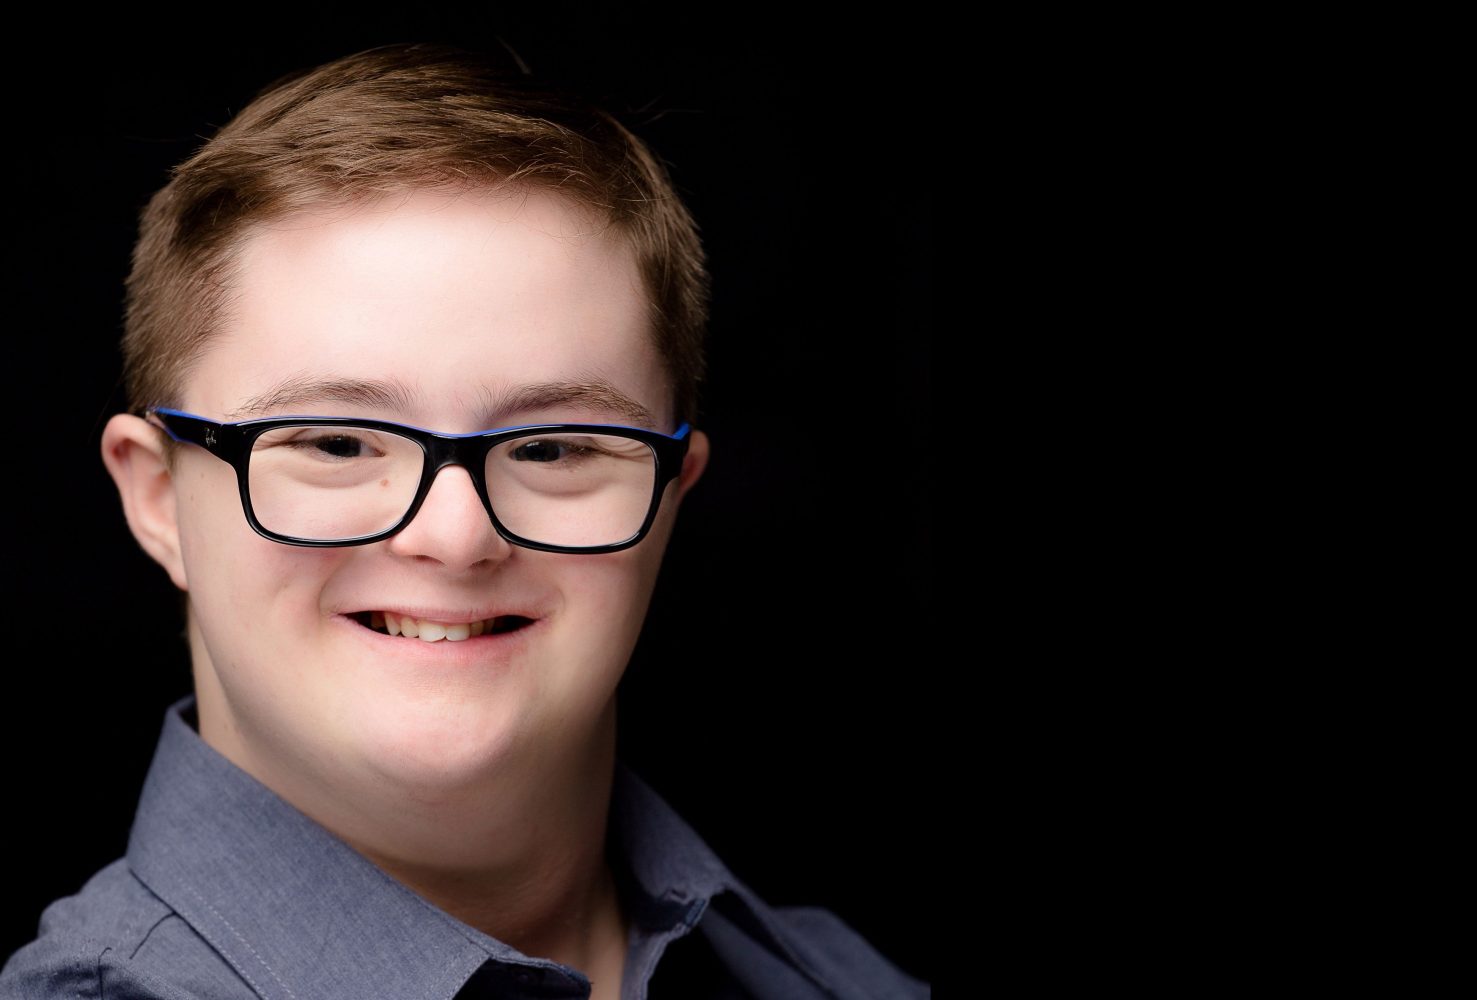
[435, 743]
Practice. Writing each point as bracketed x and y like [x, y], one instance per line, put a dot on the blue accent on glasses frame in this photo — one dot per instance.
[677, 435]
[231, 443]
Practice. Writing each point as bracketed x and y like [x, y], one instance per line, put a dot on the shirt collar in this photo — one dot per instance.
[277, 895]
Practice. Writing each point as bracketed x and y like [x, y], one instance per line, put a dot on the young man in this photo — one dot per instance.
[412, 353]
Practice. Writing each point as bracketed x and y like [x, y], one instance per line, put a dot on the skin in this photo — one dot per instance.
[480, 782]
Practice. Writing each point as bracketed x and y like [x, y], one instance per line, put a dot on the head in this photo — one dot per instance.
[383, 121]
[406, 234]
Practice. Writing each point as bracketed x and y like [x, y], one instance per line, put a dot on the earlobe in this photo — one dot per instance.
[133, 451]
[694, 463]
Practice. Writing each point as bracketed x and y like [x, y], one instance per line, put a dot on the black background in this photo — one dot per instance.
[783, 694]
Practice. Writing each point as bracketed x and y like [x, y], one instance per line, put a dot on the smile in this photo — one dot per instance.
[427, 630]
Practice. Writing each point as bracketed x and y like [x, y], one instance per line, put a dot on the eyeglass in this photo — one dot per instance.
[331, 481]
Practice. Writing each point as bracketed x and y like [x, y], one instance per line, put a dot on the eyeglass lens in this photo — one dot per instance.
[330, 483]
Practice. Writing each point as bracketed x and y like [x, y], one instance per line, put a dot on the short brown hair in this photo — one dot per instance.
[386, 119]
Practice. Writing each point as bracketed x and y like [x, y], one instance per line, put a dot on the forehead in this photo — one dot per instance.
[461, 297]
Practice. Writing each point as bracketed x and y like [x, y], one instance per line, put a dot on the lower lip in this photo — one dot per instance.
[499, 649]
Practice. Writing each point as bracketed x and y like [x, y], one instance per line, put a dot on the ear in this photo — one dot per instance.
[133, 451]
[694, 463]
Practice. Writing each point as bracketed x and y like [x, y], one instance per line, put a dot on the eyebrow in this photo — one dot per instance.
[590, 393]
[593, 393]
[302, 389]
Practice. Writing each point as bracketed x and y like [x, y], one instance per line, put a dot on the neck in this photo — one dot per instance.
[523, 862]
[520, 855]
[541, 882]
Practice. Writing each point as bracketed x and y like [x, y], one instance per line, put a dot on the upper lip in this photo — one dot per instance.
[451, 616]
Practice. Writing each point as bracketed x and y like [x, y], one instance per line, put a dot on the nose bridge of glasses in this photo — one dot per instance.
[445, 452]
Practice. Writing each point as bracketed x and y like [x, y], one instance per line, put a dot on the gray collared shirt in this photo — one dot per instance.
[227, 891]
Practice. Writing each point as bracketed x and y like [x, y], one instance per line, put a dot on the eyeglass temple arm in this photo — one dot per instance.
[671, 461]
[216, 438]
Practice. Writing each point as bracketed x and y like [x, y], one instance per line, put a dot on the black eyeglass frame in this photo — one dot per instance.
[232, 444]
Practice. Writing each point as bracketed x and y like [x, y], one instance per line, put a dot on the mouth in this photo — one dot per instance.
[428, 630]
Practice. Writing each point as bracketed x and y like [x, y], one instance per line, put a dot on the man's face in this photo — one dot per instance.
[464, 300]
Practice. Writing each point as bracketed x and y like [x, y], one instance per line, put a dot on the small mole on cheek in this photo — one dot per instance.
[384, 482]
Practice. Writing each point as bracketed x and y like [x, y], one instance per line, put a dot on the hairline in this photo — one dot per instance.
[332, 204]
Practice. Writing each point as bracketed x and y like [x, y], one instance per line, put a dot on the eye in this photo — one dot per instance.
[545, 450]
[334, 445]
[339, 446]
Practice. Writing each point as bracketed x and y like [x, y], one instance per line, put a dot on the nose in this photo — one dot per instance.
[451, 526]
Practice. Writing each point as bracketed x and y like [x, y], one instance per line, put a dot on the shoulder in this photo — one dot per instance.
[115, 939]
[770, 950]
[829, 940]
[822, 942]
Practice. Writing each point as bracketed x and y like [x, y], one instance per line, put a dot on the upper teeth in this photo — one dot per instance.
[426, 629]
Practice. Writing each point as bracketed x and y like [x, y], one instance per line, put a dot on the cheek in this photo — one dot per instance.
[211, 522]
[237, 578]
[610, 591]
